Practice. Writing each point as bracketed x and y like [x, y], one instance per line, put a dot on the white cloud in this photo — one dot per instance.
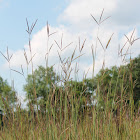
[79, 10]
[127, 13]
[39, 42]
[39, 47]
[77, 13]
[4, 4]
[123, 14]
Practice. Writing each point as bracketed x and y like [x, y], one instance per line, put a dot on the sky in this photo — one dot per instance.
[71, 19]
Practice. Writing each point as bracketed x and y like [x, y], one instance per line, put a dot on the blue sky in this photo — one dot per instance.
[13, 14]
[72, 18]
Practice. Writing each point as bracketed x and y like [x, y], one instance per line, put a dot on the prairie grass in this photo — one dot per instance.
[68, 123]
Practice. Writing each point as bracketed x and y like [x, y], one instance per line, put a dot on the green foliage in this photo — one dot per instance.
[81, 91]
[42, 90]
[116, 84]
[135, 68]
[39, 85]
[7, 96]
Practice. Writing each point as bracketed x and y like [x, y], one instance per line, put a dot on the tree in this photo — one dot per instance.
[42, 90]
[40, 85]
[7, 96]
[134, 66]
[81, 95]
[112, 85]
[119, 83]
[81, 91]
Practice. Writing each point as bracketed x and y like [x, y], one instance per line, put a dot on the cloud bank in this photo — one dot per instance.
[75, 23]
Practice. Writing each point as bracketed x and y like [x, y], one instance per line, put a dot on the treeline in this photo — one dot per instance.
[113, 88]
